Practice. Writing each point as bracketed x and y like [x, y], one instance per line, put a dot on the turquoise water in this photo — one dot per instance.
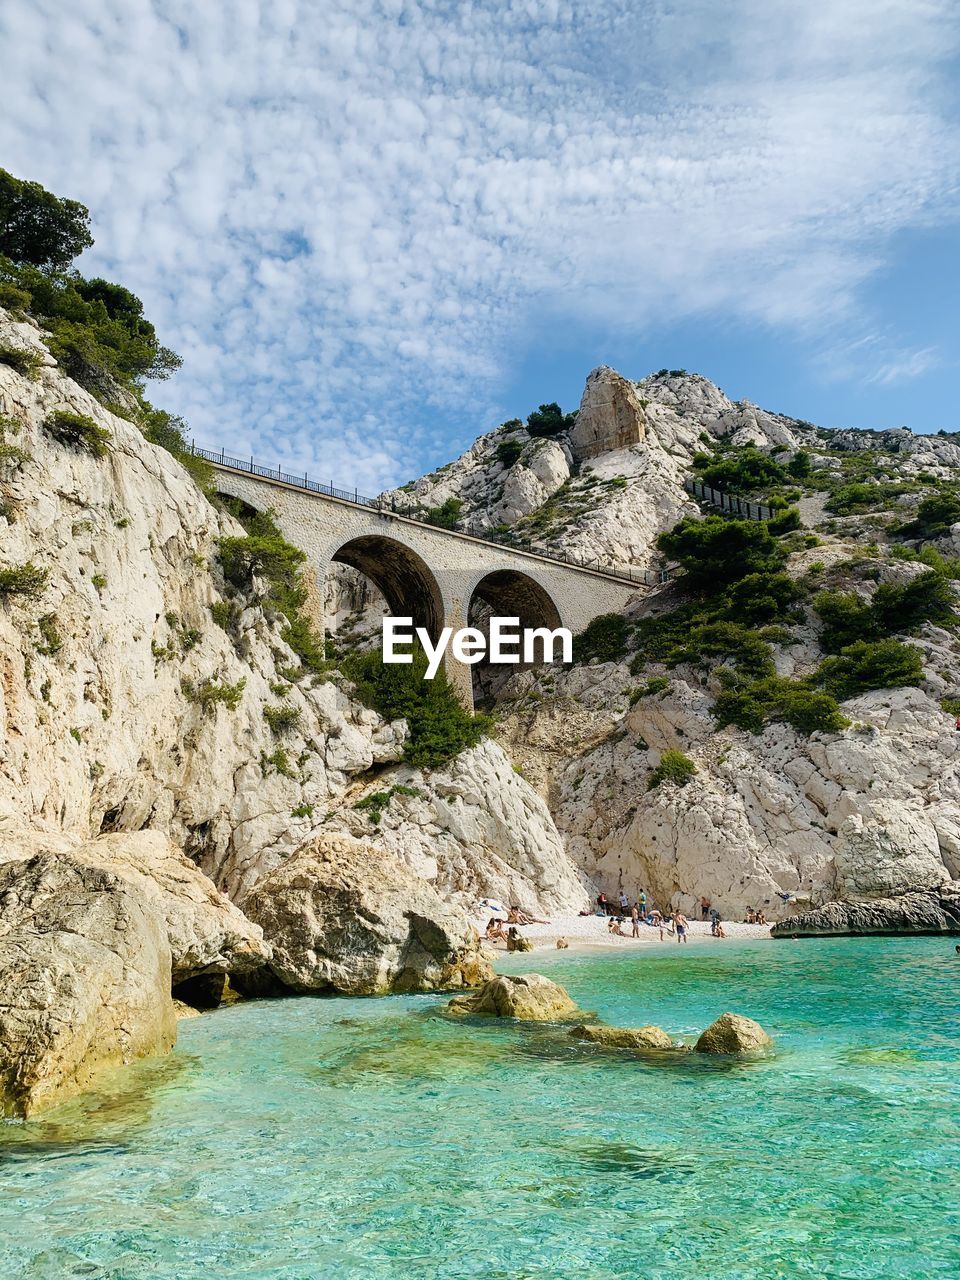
[341, 1138]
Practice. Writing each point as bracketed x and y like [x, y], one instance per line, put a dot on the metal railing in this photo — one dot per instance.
[390, 507]
[728, 502]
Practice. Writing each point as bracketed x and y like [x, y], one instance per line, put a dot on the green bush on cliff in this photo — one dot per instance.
[747, 471]
[848, 617]
[439, 727]
[508, 452]
[865, 665]
[78, 431]
[23, 580]
[27, 363]
[549, 420]
[446, 515]
[264, 553]
[717, 551]
[674, 767]
[605, 639]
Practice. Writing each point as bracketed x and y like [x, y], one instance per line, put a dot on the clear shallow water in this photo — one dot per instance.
[301, 1139]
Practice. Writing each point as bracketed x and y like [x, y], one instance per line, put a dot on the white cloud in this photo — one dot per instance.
[344, 214]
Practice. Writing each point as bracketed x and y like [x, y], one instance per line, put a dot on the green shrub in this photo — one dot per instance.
[374, 805]
[266, 554]
[282, 719]
[865, 665]
[508, 452]
[170, 432]
[799, 465]
[656, 684]
[78, 431]
[549, 420]
[13, 299]
[278, 762]
[935, 515]
[848, 618]
[446, 515]
[761, 597]
[302, 811]
[717, 551]
[745, 471]
[752, 705]
[224, 613]
[50, 639]
[210, 694]
[27, 363]
[438, 726]
[99, 581]
[674, 767]
[23, 580]
[951, 706]
[605, 639]
[785, 522]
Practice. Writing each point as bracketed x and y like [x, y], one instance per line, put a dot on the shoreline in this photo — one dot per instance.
[590, 933]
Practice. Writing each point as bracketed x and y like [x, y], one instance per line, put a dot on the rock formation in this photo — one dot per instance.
[528, 997]
[639, 1038]
[85, 975]
[610, 417]
[732, 1033]
[343, 916]
[924, 911]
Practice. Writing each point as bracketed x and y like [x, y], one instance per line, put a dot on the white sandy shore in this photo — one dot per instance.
[591, 931]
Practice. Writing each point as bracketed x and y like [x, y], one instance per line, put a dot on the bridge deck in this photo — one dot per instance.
[412, 515]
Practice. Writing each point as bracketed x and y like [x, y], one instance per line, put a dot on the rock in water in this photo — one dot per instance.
[624, 1037]
[610, 415]
[345, 916]
[529, 997]
[85, 977]
[926, 911]
[732, 1033]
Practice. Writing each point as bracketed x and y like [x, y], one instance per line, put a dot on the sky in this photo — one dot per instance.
[377, 228]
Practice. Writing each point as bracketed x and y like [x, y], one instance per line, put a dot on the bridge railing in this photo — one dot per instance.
[729, 502]
[626, 573]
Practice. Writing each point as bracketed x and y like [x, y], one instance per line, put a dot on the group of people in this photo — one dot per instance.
[495, 931]
[675, 924]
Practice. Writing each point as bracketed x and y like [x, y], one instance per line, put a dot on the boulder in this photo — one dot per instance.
[732, 1033]
[924, 911]
[206, 932]
[610, 415]
[624, 1037]
[342, 915]
[529, 997]
[85, 976]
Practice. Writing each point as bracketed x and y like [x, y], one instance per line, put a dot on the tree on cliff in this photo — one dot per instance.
[39, 228]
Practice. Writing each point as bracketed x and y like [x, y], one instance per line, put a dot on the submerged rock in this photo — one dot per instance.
[923, 911]
[624, 1037]
[342, 915]
[529, 997]
[732, 1033]
[85, 977]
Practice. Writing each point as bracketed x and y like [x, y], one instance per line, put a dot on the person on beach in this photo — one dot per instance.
[624, 903]
[494, 931]
[751, 916]
[635, 921]
[704, 907]
[516, 916]
[642, 904]
[680, 924]
[601, 904]
[614, 927]
[761, 918]
[718, 929]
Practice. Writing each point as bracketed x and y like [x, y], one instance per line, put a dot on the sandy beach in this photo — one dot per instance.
[588, 932]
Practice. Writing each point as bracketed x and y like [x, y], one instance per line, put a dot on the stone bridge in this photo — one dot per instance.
[430, 574]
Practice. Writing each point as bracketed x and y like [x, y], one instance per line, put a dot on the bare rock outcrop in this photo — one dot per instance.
[639, 1038]
[923, 911]
[206, 933]
[610, 417]
[732, 1033]
[528, 997]
[344, 916]
[85, 976]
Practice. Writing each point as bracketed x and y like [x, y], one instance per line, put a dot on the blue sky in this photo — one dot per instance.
[376, 228]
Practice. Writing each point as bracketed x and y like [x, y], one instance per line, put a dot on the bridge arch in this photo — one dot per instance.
[403, 578]
[507, 593]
